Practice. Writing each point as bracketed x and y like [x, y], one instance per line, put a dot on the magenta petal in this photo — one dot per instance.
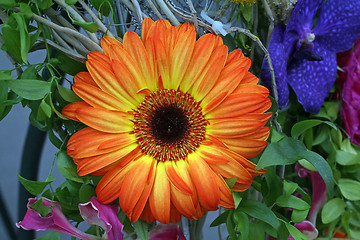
[105, 216]
[55, 221]
[33, 220]
[318, 195]
[167, 232]
[308, 229]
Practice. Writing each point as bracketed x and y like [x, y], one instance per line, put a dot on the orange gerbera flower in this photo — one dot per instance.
[169, 118]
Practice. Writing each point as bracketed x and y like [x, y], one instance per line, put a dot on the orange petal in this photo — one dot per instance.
[158, 29]
[239, 104]
[146, 215]
[180, 57]
[247, 148]
[99, 57]
[109, 186]
[105, 120]
[135, 47]
[69, 110]
[91, 144]
[85, 77]
[172, 173]
[145, 26]
[106, 43]
[91, 164]
[233, 128]
[210, 73]
[124, 57]
[249, 78]
[252, 88]
[184, 204]
[160, 195]
[205, 182]
[98, 98]
[144, 197]
[228, 80]
[175, 216]
[106, 79]
[249, 166]
[202, 52]
[162, 60]
[226, 198]
[134, 183]
[234, 55]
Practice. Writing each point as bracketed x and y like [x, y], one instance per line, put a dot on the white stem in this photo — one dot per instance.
[167, 12]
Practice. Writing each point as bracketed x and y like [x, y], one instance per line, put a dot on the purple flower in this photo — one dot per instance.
[93, 212]
[306, 228]
[304, 55]
[318, 191]
[167, 232]
[349, 78]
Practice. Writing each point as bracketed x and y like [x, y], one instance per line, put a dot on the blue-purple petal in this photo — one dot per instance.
[279, 61]
[312, 80]
[302, 17]
[338, 25]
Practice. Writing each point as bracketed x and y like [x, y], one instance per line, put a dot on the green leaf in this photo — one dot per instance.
[40, 208]
[256, 232]
[88, 26]
[25, 10]
[141, 229]
[70, 2]
[68, 95]
[350, 189]
[69, 65]
[332, 210]
[246, 12]
[258, 210]
[292, 202]
[237, 198]
[29, 88]
[284, 152]
[11, 39]
[50, 236]
[301, 127]
[290, 187]
[103, 6]
[323, 168]
[7, 4]
[242, 224]
[346, 158]
[230, 181]
[86, 192]
[45, 108]
[34, 187]
[230, 227]
[299, 215]
[220, 219]
[67, 167]
[44, 4]
[294, 232]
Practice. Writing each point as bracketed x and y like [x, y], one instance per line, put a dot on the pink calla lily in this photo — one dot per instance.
[93, 212]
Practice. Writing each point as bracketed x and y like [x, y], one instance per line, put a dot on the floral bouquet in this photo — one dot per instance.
[163, 111]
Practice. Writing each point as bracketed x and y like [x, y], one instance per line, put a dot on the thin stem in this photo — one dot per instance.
[189, 18]
[168, 12]
[131, 7]
[86, 41]
[255, 25]
[77, 17]
[71, 54]
[193, 13]
[137, 10]
[61, 41]
[154, 8]
[102, 27]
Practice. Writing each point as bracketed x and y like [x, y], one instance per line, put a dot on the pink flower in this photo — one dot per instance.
[167, 232]
[319, 190]
[93, 212]
[306, 228]
[349, 79]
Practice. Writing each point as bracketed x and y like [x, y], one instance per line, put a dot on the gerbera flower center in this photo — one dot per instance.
[169, 125]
